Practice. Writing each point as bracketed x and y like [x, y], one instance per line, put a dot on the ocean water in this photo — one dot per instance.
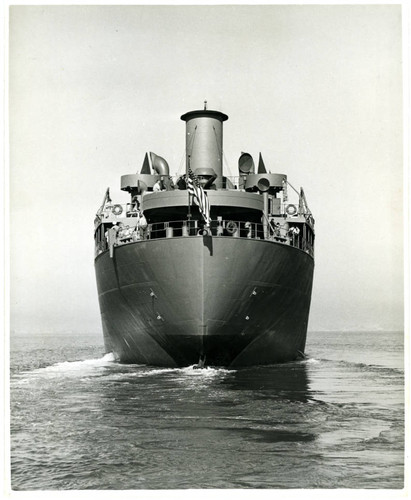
[81, 421]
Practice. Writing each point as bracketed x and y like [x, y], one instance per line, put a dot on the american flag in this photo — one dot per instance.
[199, 195]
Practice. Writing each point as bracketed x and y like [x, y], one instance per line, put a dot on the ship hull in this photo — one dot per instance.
[236, 301]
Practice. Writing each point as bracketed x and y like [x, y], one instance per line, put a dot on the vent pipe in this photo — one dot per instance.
[159, 164]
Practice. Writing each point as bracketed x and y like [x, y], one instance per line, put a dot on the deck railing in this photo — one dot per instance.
[283, 234]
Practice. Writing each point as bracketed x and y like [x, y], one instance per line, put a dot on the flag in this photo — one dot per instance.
[199, 195]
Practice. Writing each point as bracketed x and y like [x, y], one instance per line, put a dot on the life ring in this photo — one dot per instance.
[291, 210]
[294, 230]
[203, 232]
[117, 210]
[231, 227]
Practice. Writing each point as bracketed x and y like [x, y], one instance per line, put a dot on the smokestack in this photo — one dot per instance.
[204, 141]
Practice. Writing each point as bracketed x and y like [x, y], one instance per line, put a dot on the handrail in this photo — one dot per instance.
[123, 211]
[285, 234]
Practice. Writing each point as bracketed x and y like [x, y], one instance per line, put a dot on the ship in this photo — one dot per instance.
[202, 269]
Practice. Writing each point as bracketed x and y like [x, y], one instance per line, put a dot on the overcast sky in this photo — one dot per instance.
[316, 89]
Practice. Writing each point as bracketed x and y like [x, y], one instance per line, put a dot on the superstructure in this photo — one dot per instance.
[180, 285]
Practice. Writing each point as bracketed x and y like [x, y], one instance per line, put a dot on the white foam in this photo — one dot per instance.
[148, 372]
[109, 357]
[87, 367]
[203, 372]
[181, 373]
[311, 361]
[67, 366]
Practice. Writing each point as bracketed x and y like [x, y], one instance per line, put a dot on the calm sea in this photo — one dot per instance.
[81, 421]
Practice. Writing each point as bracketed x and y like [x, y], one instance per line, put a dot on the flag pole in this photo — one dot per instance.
[189, 200]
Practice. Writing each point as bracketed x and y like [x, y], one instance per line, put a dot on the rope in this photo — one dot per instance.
[220, 151]
[181, 165]
[301, 197]
[291, 186]
[189, 148]
[191, 145]
[227, 165]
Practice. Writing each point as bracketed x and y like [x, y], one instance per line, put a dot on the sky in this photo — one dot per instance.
[317, 89]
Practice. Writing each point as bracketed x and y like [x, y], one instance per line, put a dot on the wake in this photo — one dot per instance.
[109, 367]
[84, 368]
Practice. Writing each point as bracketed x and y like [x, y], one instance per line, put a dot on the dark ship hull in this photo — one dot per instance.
[233, 301]
[205, 269]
